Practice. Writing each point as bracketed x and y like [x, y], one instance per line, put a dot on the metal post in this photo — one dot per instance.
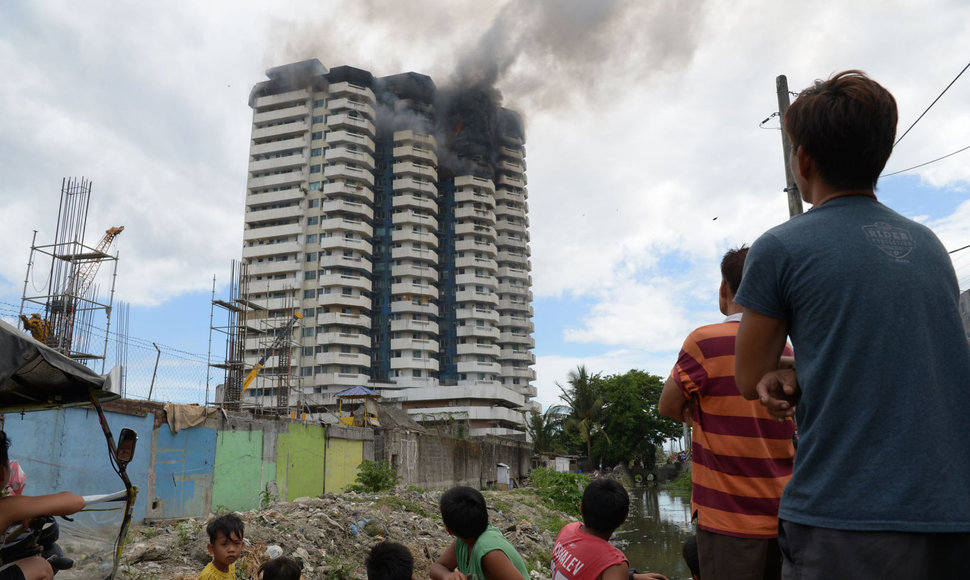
[794, 197]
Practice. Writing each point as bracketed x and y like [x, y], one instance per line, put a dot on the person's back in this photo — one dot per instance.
[479, 550]
[869, 299]
[581, 550]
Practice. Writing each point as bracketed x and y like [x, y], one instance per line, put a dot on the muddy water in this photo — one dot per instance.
[655, 530]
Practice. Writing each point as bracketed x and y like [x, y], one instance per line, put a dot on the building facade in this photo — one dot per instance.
[393, 216]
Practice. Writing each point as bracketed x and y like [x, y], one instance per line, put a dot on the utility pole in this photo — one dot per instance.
[794, 197]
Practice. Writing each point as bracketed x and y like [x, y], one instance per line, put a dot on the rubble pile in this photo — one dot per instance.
[332, 535]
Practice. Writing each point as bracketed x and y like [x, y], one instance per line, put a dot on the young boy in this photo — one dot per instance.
[480, 551]
[389, 561]
[225, 546]
[281, 568]
[17, 508]
[582, 552]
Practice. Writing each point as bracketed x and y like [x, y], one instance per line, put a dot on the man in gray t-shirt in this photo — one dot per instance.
[881, 484]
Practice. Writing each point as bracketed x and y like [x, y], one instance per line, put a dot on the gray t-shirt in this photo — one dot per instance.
[883, 365]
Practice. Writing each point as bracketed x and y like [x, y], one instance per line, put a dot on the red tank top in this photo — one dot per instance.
[578, 555]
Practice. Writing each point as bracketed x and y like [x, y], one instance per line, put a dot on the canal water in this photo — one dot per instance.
[654, 533]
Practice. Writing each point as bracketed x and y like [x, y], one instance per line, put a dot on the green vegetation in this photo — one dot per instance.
[682, 483]
[563, 491]
[338, 569]
[374, 477]
[266, 498]
[186, 533]
[538, 559]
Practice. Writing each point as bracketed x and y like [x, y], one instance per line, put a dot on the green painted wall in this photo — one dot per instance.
[343, 457]
[300, 461]
[237, 474]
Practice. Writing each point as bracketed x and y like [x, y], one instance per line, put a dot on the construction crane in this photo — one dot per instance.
[281, 339]
[88, 270]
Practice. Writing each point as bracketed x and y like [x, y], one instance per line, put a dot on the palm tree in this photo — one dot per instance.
[586, 403]
[545, 428]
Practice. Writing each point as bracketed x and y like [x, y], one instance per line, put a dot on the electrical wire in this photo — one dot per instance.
[931, 104]
[927, 163]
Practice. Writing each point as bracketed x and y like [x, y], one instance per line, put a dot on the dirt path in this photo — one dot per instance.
[333, 534]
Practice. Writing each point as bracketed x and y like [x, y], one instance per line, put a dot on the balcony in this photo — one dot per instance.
[407, 201]
[348, 89]
[514, 321]
[295, 97]
[286, 129]
[511, 153]
[404, 168]
[415, 271]
[401, 184]
[346, 172]
[467, 196]
[276, 214]
[517, 355]
[351, 123]
[341, 104]
[292, 161]
[261, 251]
[350, 262]
[419, 154]
[403, 362]
[356, 209]
[343, 359]
[469, 228]
[339, 379]
[411, 289]
[519, 373]
[476, 280]
[469, 213]
[344, 280]
[422, 344]
[411, 217]
[520, 338]
[516, 243]
[300, 143]
[344, 155]
[341, 319]
[467, 314]
[476, 297]
[296, 112]
[476, 246]
[423, 254]
[414, 326]
[355, 190]
[408, 306]
[516, 273]
[272, 232]
[343, 243]
[479, 367]
[286, 284]
[474, 349]
[273, 267]
[283, 195]
[277, 179]
[488, 265]
[472, 181]
[341, 224]
[343, 339]
[341, 300]
[416, 138]
[505, 210]
[337, 138]
[407, 236]
[473, 331]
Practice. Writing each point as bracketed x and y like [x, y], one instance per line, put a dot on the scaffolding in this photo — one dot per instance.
[62, 310]
[250, 328]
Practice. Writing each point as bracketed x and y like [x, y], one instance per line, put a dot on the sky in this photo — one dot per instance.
[651, 143]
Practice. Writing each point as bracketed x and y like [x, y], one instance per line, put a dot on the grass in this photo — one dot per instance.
[681, 484]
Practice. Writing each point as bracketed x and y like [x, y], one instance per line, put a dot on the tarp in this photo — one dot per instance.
[34, 377]
[358, 391]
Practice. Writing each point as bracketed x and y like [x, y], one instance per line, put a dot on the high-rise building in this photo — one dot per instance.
[394, 217]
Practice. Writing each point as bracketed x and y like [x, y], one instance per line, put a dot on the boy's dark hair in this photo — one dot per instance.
[690, 556]
[4, 445]
[389, 561]
[847, 124]
[464, 512]
[605, 505]
[228, 525]
[281, 568]
[732, 265]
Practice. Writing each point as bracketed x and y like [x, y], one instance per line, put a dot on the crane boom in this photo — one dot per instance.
[281, 339]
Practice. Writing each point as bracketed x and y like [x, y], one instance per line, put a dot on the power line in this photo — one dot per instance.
[931, 104]
[927, 163]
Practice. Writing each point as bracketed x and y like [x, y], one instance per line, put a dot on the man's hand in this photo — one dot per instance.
[779, 392]
[649, 576]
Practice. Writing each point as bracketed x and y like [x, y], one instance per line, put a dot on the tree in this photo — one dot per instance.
[545, 429]
[585, 402]
[631, 420]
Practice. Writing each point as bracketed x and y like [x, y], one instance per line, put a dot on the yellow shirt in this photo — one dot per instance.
[210, 572]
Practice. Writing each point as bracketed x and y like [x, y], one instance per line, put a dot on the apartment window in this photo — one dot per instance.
[307, 294]
[311, 238]
[318, 103]
[312, 220]
[318, 118]
[306, 371]
[315, 202]
[314, 169]
[311, 275]
[308, 332]
[311, 257]
[316, 152]
[315, 186]
[316, 135]
[307, 351]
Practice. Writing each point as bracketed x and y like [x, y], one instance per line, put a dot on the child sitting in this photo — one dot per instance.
[225, 546]
[480, 551]
[19, 508]
[389, 561]
[281, 568]
[582, 552]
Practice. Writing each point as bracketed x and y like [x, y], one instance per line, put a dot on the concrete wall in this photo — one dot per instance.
[231, 461]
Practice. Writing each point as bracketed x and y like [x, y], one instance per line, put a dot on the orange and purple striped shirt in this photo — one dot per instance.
[742, 457]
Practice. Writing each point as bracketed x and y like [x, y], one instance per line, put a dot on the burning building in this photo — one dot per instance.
[393, 216]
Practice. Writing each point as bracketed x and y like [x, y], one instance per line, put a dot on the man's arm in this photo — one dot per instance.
[15, 508]
[673, 403]
[757, 350]
[444, 568]
[497, 566]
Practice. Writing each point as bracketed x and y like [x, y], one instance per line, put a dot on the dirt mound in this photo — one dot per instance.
[333, 534]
